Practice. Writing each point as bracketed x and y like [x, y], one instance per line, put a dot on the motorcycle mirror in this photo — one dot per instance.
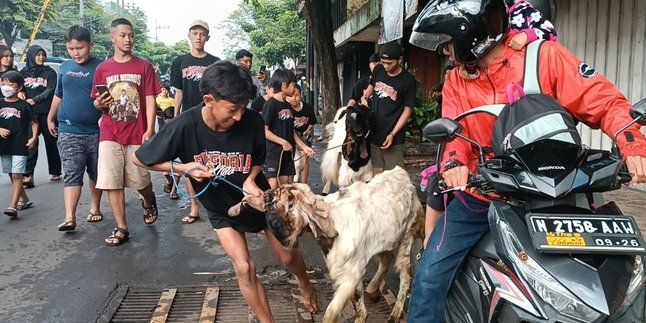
[638, 111]
[441, 130]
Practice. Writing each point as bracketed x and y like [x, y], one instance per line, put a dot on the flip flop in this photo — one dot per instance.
[67, 226]
[94, 217]
[174, 196]
[190, 219]
[168, 187]
[24, 205]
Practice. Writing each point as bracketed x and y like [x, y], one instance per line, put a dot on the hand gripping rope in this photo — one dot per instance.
[213, 182]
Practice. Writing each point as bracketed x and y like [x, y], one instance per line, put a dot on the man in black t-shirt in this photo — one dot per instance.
[393, 98]
[223, 139]
[362, 83]
[185, 75]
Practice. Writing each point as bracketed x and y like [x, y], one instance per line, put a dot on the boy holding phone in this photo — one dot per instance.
[128, 120]
[74, 121]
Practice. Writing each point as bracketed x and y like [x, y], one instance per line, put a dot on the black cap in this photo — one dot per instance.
[374, 58]
[391, 50]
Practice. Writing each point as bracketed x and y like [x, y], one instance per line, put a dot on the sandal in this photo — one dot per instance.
[94, 217]
[11, 212]
[118, 236]
[67, 226]
[174, 196]
[24, 205]
[151, 217]
[168, 187]
[190, 219]
[55, 178]
[28, 182]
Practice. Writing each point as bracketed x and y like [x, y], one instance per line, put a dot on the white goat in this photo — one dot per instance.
[380, 218]
[334, 169]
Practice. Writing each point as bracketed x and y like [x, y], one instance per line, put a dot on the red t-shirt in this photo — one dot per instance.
[129, 83]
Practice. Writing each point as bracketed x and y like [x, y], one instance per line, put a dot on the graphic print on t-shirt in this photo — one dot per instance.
[224, 163]
[193, 73]
[34, 82]
[285, 114]
[126, 104]
[6, 113]
[384, 90]
[300, 121]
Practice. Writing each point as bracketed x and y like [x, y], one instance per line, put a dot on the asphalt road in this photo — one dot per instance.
[50, 276]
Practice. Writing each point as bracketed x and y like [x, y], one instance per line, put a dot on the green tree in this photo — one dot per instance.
[273, 29]
[318, 17]
[20, 16]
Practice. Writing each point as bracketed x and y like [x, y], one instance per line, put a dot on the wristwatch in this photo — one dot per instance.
[452, 164]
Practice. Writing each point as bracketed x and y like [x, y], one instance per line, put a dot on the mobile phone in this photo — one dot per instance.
[102, 89]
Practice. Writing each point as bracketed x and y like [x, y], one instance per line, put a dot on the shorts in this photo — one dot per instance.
[387, 159]
[116, 170]
[78, 154]
[287, 167]
[13, 164]
[249, 219]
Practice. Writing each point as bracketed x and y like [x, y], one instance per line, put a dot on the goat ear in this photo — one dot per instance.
[346, 149]
[364, 151]
[307, 206]
[256, 202]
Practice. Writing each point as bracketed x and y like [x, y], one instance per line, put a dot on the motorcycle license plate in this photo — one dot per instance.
[603, 234]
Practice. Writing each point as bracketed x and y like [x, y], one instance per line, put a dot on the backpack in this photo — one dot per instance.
[533, 116]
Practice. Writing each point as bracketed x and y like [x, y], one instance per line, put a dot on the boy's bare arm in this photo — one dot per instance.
[177, 101]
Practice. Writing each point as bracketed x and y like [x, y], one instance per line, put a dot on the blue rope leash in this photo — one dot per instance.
[213, 182]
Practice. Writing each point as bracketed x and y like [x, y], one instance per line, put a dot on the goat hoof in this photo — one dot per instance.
[374, 296]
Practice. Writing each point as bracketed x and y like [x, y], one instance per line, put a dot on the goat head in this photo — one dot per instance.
[289, 209]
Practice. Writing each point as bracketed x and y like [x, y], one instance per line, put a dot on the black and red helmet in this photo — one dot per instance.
[474, 26]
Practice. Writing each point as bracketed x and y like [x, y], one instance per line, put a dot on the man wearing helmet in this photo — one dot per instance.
[473, 33]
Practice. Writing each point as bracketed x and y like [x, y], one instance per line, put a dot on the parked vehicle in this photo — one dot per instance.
[555, 252]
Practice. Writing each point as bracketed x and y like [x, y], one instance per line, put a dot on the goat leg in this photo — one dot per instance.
[346, 286]
[360, 306]
[402, 265]
[385, 258]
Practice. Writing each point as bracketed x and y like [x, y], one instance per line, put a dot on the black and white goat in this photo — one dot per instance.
[347, 159]
[379, 218]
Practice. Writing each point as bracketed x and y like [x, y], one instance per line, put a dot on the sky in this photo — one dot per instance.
[177, 15]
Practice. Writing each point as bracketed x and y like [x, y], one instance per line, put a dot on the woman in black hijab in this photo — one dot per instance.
[40, 84]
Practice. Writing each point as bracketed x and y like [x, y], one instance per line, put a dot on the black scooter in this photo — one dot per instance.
[554, 253]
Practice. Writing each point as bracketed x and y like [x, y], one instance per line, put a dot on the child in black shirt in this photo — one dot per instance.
[279, 130]
[226, 140]
[16, 116]
[304, 121]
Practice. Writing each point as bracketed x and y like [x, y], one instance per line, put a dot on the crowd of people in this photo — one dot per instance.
[231, 133]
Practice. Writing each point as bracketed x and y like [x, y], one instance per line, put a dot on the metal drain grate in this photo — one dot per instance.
[224, 303]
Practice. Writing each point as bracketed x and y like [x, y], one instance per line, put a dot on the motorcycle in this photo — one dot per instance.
[555, 252]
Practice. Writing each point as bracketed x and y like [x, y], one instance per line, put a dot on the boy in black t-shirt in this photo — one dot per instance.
[279, 130]
[393, 98]
[185, 75]
[304, 121]
[16, 116]
[226, 140]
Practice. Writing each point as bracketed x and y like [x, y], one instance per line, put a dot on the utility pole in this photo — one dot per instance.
[81, 9]
[157, 27]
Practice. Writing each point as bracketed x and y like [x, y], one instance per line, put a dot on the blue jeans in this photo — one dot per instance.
[466, 224]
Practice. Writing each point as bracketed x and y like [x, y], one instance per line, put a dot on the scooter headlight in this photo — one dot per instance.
[545, 286]
[636, 282]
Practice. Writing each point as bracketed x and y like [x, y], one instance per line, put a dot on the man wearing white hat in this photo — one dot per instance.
[186, 73]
